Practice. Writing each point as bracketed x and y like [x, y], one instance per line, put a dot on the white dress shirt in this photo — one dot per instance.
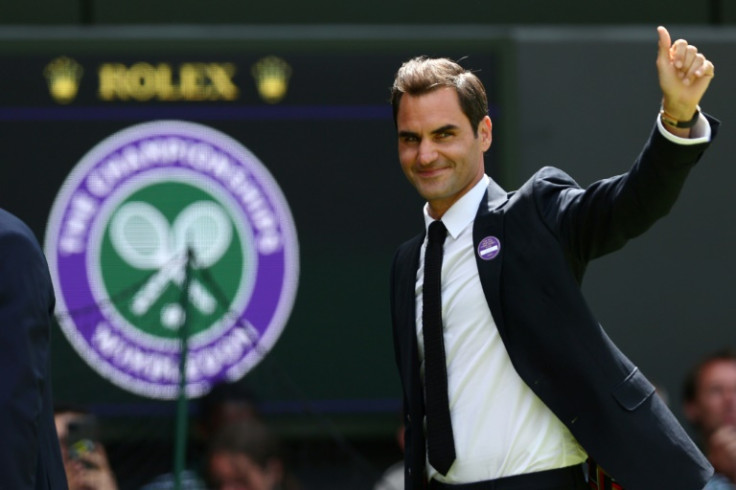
[501, 427]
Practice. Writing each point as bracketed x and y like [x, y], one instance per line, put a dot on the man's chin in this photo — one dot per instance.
[431, 194]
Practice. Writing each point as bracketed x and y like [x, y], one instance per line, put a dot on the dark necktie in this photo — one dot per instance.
[440, 442]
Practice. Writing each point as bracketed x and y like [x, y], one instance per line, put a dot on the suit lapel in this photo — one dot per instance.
[488, 226]
[407, 263]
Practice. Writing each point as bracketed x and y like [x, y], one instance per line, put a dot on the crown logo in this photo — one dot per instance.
[63, 75]
[272, 78]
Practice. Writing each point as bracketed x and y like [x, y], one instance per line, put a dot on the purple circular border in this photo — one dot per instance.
[272, 296]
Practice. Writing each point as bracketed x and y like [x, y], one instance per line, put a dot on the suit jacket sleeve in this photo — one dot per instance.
[602, 218]
[26, 299]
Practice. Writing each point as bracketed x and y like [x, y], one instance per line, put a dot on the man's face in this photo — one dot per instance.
[715, 397]
[439, 151]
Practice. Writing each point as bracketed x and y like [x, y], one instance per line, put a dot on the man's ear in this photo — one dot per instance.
[485, 132]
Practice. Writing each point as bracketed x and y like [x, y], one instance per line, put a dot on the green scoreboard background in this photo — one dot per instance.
[315, 112]
[582, 99]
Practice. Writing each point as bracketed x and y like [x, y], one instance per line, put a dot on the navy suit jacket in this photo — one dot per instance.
[30, 456]
[549, 230]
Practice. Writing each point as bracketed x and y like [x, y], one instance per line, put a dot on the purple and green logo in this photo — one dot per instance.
[142, 208]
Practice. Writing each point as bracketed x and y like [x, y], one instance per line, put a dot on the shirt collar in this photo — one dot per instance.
[463, 211]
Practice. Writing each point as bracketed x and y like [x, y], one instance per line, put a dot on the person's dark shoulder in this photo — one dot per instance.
[404, 250]
[547, 183]
[16, 236]
[551, 177]
[10, 223]
[410, 242]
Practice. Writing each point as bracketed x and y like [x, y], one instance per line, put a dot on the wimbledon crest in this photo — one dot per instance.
[139, 211]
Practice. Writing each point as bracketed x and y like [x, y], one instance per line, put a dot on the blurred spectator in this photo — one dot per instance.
[710, 405]
[244, 455]
[189, 480]
[84, 457]
[224, 404]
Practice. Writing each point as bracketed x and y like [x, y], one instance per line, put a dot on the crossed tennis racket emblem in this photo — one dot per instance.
[143, 238]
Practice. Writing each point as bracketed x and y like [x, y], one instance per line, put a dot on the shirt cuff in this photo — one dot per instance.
[700, 133]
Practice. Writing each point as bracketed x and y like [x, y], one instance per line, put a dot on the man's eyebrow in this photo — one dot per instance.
[445, 128]
[408, 134]
[441, 129]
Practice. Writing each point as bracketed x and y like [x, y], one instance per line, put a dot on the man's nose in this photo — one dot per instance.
[427, 153]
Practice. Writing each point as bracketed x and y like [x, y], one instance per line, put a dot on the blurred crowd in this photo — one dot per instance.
[709, 396]
[240, 452]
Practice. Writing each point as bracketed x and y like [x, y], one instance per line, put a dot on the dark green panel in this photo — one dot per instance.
[666, 298]
[401, 11]
[329, 143]
[41, 12]
[727, 11]
[329, 385]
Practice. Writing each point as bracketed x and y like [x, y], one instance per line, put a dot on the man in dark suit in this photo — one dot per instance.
[30, 457]
[509, 382]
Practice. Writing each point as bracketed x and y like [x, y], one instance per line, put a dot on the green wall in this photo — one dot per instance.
[374, 12]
